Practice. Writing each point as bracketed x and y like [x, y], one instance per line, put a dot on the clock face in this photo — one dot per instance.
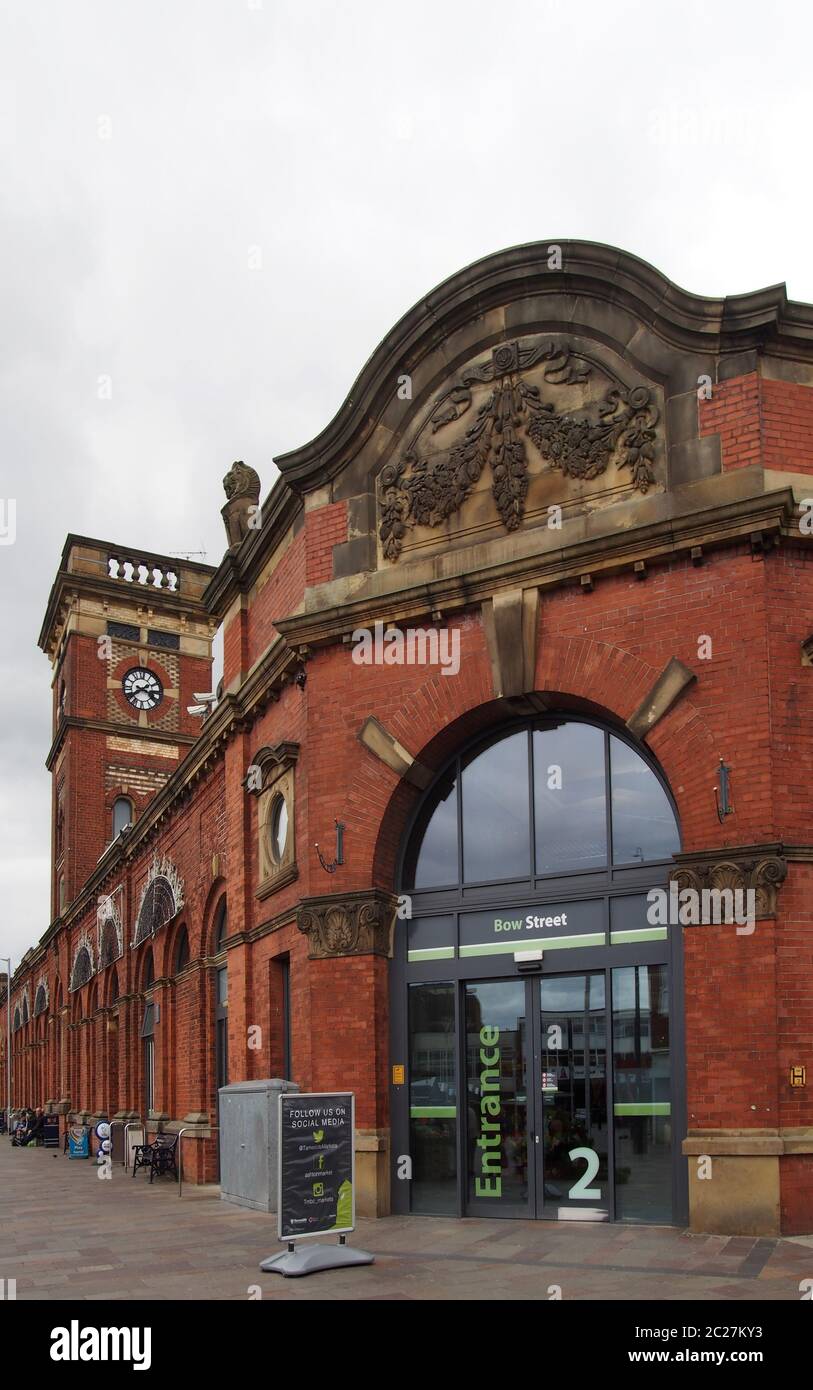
[142, 688]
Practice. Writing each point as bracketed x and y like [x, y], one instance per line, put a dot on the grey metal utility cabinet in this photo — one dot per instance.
[249, 1155]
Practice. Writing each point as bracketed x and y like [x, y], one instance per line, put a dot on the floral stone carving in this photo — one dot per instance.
[755, 868]
[348, 924]
[424, 489]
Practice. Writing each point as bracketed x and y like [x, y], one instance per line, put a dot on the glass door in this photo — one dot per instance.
[571, 1140]
[541, 1088]
[498, 1096]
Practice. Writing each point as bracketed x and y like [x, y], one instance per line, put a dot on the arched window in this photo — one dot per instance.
[122, 814]
[59, 845]
[161, 898]
[109, 949]
[82, 968]
[221, 927]
[181, 950]
[559, 796]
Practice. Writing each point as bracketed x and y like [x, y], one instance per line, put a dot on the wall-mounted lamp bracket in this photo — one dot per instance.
[722, 793]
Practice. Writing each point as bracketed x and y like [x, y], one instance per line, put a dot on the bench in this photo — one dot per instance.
[159, 1156]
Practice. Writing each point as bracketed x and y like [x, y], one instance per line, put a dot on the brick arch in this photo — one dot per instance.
[112, 985]
[146, 953]
[180, 929]
[205, 943]
[580, 674]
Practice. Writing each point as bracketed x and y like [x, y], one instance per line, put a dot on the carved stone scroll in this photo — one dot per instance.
[348, 924]
[754, 867]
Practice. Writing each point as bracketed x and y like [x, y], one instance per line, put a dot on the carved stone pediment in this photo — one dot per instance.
[757, 867]
[268, 764]
[348, 924]
[559, 410]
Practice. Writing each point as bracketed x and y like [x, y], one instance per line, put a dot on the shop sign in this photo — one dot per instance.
[553, 926]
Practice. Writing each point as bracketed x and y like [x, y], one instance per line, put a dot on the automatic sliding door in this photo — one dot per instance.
[574, 1177]
[498, 1084]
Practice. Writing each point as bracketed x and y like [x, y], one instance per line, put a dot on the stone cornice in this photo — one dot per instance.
[767, 515]
[234, 714]
[106, 726]
[114, 590]
[744, 1143]
[763, 320]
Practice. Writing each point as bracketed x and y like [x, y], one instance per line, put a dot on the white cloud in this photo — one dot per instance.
[369, 150]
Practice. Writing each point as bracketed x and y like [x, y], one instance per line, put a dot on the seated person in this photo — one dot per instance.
[22, 1124]
[34, 1133]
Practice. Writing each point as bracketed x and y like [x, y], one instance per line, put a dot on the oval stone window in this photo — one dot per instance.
[279, 828]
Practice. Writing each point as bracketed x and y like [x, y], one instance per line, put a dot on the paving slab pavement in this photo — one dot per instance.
[67, 1234]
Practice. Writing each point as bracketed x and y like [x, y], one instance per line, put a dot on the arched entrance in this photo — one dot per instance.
[536, 1004]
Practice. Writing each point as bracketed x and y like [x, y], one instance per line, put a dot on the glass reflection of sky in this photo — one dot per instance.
[643, 821]
[437, 860]
[501, 1005]
[496, 830]
[570, 820]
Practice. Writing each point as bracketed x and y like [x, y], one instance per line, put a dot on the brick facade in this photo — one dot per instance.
[707, 569]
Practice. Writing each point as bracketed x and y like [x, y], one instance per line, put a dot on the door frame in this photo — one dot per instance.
[479, 969]
[533, 1208]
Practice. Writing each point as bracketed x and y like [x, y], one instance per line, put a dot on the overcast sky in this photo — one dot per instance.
[223, 205]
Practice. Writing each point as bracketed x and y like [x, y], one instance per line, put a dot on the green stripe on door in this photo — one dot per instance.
[639, 1107]
[433, 1112]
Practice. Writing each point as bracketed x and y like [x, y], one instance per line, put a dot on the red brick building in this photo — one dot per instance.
[521, 638]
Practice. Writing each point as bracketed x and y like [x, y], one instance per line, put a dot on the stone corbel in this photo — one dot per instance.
[762, 868]
[348, 924]
[510, 624]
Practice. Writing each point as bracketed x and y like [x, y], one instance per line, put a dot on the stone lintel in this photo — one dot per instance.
[740, 1143]
[382, 743]
[669, 686]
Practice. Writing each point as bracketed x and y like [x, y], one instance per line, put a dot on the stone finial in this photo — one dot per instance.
[242, 487]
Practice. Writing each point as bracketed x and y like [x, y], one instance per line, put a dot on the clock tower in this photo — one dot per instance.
[130, 643]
